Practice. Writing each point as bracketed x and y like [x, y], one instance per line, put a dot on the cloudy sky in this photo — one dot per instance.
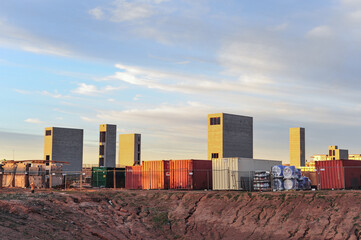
[158, 67]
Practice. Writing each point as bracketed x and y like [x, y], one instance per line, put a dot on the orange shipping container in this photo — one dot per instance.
[155, 174]
[190, 174]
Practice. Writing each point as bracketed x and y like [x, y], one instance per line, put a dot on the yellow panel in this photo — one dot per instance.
[295, 147]
[127, 147]
[48, 143]
[215, 136]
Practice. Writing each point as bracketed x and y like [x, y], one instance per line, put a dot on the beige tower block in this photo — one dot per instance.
[230, 135]
[66, 145]
[129, 149]
[297, 147]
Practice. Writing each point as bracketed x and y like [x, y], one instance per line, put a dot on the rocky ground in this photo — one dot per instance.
[122, 214]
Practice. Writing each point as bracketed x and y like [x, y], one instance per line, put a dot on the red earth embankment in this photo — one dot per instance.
[109, 214]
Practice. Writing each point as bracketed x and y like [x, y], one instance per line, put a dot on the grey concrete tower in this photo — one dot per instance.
[64, 144]
[107, 145]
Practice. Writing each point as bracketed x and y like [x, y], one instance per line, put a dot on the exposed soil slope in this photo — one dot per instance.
[109, 214]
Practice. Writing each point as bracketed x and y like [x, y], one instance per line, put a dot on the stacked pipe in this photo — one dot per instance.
[289, 178]
[262, 181]
[277, 178]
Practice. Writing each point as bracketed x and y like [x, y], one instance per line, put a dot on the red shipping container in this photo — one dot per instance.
[155, 174]
[133, 177]
[338, 174]
[190, 174]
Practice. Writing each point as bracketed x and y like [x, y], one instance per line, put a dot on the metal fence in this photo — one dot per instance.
[322, 177]
[225, 179]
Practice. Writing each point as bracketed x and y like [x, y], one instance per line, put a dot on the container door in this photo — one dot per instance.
[166, 175]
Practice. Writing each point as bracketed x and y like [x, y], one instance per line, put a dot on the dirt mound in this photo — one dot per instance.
[109, 214]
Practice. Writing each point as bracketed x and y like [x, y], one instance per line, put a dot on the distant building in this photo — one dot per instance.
[354, 156]
[320, 157]
[129, 149]
[107, 145]
[230, 136]
[64, 144]
[297, 147]
[334, 153]
[337, 154]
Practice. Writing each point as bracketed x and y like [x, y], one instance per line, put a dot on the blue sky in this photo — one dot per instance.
[158, 67]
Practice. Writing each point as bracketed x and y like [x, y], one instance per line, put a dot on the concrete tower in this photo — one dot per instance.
[297, 147]
[230, 136]
[129, 149]
[64, 144]
[107, 145]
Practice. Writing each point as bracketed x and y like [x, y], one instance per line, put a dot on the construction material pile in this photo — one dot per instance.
[262, 181]
[289, 178]
[22, 174]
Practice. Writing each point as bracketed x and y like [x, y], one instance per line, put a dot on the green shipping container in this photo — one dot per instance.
[104, 177]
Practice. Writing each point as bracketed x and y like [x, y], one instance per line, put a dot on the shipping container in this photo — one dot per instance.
[338, 174]
[104, 177]
[155, 174]
[190, 174]
[237, 173]
[133, 177]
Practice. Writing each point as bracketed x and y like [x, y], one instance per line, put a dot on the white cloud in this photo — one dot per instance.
[156, 34]
[125, 10]
[248, 57]
[190, 84]
[280, 27]
[88, 89]
[53, 95]
[97, 13]
[168, 131]
[22, 91]
[14, 37]
[171, 123]
[352, 3]
[320, 32]
[34, 120]
[355, 16]
[137, 97]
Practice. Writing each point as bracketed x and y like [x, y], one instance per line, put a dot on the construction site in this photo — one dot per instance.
[228, 195]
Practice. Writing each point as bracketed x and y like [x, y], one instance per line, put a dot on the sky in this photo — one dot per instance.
[158, 67]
